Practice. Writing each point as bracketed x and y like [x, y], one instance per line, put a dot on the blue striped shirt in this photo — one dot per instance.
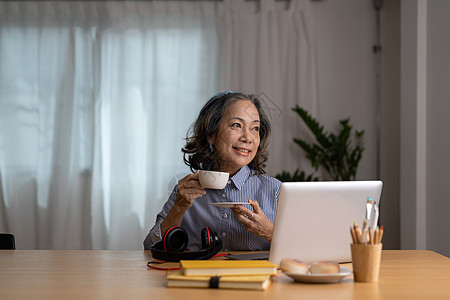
[242, 186]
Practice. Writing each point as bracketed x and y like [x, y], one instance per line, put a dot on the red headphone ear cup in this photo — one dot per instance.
[175, 239]
[207, 236]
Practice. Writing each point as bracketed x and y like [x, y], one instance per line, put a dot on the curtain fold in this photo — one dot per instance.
[96, 99]
[271, 52]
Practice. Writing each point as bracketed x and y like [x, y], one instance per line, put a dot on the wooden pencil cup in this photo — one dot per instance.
[366, 262]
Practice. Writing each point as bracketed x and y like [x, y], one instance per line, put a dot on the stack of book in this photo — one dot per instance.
[226, 274]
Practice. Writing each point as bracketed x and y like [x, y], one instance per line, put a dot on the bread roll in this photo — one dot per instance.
[291, 265]
[324, 267]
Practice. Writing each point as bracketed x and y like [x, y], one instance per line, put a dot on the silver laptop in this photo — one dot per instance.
[313, 219]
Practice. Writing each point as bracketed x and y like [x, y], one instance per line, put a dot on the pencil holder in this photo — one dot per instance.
[366, 262]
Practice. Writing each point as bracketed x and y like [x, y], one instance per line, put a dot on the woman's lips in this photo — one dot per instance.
[242, 151]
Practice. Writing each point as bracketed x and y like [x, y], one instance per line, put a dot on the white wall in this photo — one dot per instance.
[345, 36]
[415, 143]
[425, 143]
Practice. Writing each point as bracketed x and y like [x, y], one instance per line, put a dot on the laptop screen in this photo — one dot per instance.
[313, 219]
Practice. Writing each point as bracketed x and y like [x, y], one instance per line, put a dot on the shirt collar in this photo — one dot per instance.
[241, 177]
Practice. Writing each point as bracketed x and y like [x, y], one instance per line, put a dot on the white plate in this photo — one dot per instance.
[320, 278]
[228, 204]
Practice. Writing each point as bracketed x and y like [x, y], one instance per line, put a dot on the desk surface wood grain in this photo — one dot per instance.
[86, 274]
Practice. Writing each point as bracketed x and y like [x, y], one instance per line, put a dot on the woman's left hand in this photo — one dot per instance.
[254, 221]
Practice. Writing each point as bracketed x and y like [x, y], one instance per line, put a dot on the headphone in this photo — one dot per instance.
[175, 240]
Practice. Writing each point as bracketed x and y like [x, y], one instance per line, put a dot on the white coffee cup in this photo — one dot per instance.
[213, 179]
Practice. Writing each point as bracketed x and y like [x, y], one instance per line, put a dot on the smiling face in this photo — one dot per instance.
[237, 138]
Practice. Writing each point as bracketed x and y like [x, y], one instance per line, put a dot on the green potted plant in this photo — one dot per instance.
[338, 154]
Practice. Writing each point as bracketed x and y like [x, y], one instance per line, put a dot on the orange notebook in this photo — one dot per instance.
[227, 267]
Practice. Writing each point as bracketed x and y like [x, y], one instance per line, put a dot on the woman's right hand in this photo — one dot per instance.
[189, 189]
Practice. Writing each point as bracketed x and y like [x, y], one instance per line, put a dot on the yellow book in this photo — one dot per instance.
[253, 282]
[227, 267]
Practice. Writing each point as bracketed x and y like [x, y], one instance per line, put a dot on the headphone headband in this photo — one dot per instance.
[175, 240]
[159, 253]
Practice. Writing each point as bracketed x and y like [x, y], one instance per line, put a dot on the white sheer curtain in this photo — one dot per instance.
[96, 98]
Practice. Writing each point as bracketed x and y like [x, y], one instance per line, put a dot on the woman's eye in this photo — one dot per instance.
[236, 125]
[256, 129]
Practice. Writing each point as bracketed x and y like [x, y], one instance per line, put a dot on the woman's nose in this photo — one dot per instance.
[245, 136]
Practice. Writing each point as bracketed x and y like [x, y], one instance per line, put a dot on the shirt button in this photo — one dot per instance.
[229, 181]
[224, 195]
[224, 216]
[224, 234]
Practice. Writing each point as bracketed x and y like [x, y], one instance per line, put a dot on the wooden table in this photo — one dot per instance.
[86, 274]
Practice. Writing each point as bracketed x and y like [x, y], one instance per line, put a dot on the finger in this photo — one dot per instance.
[191, 189]
[255, 206]
[192, 197]
[192, 176]
[188, 199]
[239, 209]
[247, 221]
[191, 184]
[195, 192]
[186, 178]
[190, 181]
[244, 220]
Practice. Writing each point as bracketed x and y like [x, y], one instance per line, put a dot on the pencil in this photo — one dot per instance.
[364, 238]
[377, 235]
[352, 233]
[381, 234]
[358, 235]
[370, 236]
